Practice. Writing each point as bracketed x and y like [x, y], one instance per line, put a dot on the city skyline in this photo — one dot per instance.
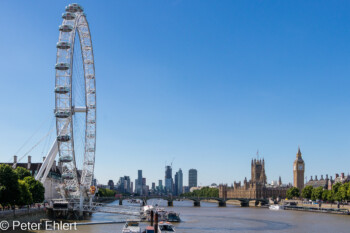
[225, 80]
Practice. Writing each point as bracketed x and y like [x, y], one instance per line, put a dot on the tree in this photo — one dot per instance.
[335, 191]
[343, 189]
[317, 193]
[9, 188]
[36, 188]
[307, 191]
[25, 194]
[325, 195]
[203, 192]
[293, 192]
[22, 173]
[330, 196]
[102, 192]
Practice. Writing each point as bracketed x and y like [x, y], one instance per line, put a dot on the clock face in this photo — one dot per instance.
[300, 167]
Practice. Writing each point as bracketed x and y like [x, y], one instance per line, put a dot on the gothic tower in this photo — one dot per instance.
[298, 171]
[258, 171]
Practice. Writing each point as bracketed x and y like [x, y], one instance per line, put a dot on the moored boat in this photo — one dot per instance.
[164, 227]
[173, 217]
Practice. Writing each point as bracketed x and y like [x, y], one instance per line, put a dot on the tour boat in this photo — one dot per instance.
[146, 211]
[132, 226]
[173, 217]
[164, 227]
[276, 207]
[161, 214]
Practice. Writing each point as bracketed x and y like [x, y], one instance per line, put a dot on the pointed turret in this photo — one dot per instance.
[299, 153]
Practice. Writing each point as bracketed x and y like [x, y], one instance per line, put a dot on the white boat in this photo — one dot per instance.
[164, 227]
[146, 211]
[132, 226]
[276, 207]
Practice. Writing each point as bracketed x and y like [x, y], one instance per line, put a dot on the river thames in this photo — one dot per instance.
[210, 218]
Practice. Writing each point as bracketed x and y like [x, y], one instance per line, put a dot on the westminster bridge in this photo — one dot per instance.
[196, 200]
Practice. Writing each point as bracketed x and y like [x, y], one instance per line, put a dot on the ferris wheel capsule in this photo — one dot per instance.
[62, 114]
[63, 138]
[68, 16]
[65, 28]
[68, 176]
[74, 7]
[63, 45]
[90, 76]
[66, 159]
[62, 90]
[62, 66]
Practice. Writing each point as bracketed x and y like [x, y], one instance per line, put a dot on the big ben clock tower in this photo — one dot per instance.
[298, 171]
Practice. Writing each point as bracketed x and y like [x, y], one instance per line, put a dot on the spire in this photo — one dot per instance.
[299, 153]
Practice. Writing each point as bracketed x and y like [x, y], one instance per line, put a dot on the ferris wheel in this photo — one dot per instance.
[75, 103]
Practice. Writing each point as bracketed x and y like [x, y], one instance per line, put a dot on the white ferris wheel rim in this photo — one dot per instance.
[75, 23]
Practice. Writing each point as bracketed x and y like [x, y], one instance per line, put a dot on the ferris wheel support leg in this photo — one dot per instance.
[50, 157]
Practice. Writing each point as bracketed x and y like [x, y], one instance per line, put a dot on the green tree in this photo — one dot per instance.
[36, 188]
[343, 189]
[336, 187]
[9, 188]
[25, 194]
[307, 191]
[325, 195]
[293, 192]
[22, 172]
[337, 196]
[102, 192]
[330, 196]
[317, 193]
[203, 192]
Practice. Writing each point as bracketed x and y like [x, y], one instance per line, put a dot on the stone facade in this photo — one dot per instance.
[256, 187]
[327, 183]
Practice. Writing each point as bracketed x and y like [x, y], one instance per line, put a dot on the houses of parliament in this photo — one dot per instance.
[257, 187]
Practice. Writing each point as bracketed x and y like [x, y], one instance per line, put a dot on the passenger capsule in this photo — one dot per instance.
[62, 114]
[74, 7]
[66, 159]
[90, 76]
[91, 106]
[71, 188]
[63, 45]
[68, 16]
[90, 163]
[63, 138]
[68, 176]
[92, 91]
[65, 28]
[62, 90]
[62, 66]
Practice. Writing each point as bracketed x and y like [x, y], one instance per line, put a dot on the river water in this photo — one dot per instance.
[210, 218]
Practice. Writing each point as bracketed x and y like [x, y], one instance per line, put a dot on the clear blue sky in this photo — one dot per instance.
[204, 82]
